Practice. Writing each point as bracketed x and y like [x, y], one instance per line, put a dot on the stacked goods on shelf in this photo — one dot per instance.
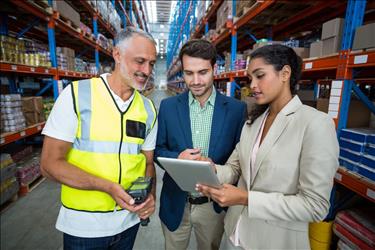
[332, 32]
[24, 51]
[355, 228]
[28, 170]
[297, 46]
[65, 58]
[316, 49]
[243, 6]
[219, 66]
[85, 29]
[47, 106]
[33, 109]
[8, 182]
[18, 152]
[80, 65]
[364, 37]
[264, 42]
[357, 151]
[109, 14]
[223, 14]
[67, 12]
[12, 118]
[91, 68]
[113, 18]
[104, 42]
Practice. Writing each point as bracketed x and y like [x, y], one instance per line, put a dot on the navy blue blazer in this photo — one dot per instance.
[174, 136]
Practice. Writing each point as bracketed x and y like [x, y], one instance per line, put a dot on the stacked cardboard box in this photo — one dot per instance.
[224, 11]
[316, 49]
[65, 58]
[33, 109]
[364, 37]
[331, 35]
[67, 12]
[242, 5]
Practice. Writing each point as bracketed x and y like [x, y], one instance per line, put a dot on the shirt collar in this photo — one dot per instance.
[210, 101]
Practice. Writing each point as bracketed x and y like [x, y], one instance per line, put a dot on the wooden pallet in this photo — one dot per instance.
[25, 189]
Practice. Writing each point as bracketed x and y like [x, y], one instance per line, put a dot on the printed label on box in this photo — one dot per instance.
[336, 92]
[337, 84]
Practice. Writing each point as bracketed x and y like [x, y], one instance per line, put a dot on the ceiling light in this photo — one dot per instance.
[161, 34]
[161, 57]
[161, 26]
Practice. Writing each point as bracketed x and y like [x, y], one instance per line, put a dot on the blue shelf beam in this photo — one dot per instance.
[29, 26]
[363, 98]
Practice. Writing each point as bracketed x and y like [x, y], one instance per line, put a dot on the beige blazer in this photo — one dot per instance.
[296, 164]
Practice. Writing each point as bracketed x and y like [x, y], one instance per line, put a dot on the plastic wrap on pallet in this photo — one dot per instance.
[28, 170]
[12, 118]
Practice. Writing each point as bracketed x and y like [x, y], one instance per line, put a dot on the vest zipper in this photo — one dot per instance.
[119, 150]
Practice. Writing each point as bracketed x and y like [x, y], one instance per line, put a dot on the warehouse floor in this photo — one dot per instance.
[29, 223]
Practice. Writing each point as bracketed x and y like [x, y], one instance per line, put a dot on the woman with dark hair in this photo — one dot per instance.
[284, 163]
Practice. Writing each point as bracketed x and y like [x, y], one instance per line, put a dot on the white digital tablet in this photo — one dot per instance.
[187, 173]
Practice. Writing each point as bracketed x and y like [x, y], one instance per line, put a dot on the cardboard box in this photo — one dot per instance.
[223, 12]
[33, 109]
[358, 116]
[34, 118]
[364, 37]
[333, 28]
[316, 49]
[67, 12]
[241, 4]
[331, 45]
[302, 52]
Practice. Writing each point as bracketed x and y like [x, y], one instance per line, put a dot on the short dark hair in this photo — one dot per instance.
[199, 48]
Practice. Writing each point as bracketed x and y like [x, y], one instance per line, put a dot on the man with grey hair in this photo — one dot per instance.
[99, 138]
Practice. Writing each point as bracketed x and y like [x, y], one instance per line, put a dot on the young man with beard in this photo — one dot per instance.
[99, 138]
[198, 124]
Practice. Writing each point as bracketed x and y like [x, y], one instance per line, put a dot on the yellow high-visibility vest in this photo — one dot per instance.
[108, 142]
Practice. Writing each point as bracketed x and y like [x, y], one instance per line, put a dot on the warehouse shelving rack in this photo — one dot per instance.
[340, 67]
[47, 14]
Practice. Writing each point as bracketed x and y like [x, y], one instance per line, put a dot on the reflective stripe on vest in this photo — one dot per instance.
[103, 147]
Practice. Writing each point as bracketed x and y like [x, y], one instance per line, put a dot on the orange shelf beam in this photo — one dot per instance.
[14, 136]
[231, 74]
[320, 63]
[356, 183]
[18, 68]
[73, 74]
[362, 59]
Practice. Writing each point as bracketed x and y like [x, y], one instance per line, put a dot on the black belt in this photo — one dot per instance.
[198, 200]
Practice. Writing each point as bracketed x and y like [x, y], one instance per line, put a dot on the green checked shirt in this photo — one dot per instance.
[200, 121]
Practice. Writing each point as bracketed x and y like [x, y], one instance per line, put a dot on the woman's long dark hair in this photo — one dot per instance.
[278, 56]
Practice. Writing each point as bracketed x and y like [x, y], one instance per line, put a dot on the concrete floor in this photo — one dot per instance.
[29, 223]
